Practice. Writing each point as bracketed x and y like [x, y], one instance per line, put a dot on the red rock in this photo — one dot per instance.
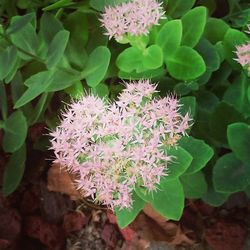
[111, 218]
[224, 235]
[4, 244]
[128, 233]
[110, 235]
[30, 202]
[49, 234]
[74, 221]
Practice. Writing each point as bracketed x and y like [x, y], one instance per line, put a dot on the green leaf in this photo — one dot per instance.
[230, 175]
[181, 160]
[188, 106]
[194, 185]
[168, 200]
[223, 115]
[233, 38]
[56, 48]
[37, 84]
[38, 110]
[129, 59]
[193, 23]
[238, 135]
[8, 59]
[214, 198]
[26, 39]
[97, 66]
[14, 171]
[101, 90]
[209, 55]
[49, 26]
[3, 101]
[15, 132]
[215, 29]
[177, 8]
[19, 22]
[169, 37]
[126, 216]
[152, 57]
[185, 64]
[99, 5]
[77, 24]
[236, 94]
[199, 150]
[58, 4]
[76, 90]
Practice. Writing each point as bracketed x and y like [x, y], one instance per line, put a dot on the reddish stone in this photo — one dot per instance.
[128, 233]
[30, 202]
[110, 235]
[224, 235]
[49, 234]
[4, 244]
[74, 221]
[111, 218]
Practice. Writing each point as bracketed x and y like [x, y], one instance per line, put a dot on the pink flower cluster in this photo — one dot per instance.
[243, 55]
[111, 147]
[135, 18]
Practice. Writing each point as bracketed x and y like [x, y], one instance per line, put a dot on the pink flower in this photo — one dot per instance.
[113, 147]
[135, 18]
[243, 55]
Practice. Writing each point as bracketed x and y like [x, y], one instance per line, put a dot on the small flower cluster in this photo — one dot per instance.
[113, 147]
[243, 54]
[135, 18]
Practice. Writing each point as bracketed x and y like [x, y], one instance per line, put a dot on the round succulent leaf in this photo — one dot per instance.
[231, 175]
[185, 64]
[126, 216]
[152, 57]
[194, 185]
[15, 131]
[238, 135]
[200, 151]
[181, 160]
[169, 37]
[193, 23]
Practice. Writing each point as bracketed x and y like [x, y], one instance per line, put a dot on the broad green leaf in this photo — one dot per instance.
[26, 39]
[231, 175]
[58, 4]
[155, 73]
[223, 115]
[215, 29]
[168, 200]
[15, 131]
[38, 110]
[193, 23]
[185, 87]
[237, 94]
[97, 66]
[8, 59]
[194, 185]
[76, 90]
[56, 48]
[126, 216]
[209, 55]
[101, 90]
[188, 106]
[214, 198]
[49, 26]
[238, 135]
[19, 22]
[169, 37]
[200, 151]
[129, 59]
[37, 84]
[233, 38]
[181, 160]
[152, 57]
[99, 5]
[14, 171]
[176, 8]
[77, 24]
[3, 101]
[185, 64]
